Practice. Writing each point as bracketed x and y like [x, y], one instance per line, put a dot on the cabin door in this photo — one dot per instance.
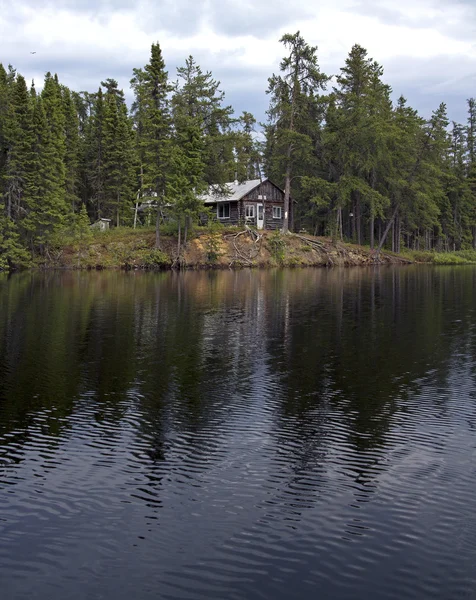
[259, 216]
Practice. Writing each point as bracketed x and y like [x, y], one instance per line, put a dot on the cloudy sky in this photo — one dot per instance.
[427, 47]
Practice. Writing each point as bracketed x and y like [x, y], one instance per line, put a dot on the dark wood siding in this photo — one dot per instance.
[234, 214]
[274, 197]
[267, 189]
[269, 222]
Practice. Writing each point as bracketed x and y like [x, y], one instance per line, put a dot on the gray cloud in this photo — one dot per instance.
[425, 82]
[461, 29]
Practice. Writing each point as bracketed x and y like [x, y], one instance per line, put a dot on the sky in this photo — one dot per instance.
[427, 47]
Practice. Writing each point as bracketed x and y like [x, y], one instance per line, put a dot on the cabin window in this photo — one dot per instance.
[277, 212]
[250, 211]
[223, 210]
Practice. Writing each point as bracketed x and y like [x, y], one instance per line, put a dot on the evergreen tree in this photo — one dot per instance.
[44, 195]
[119, 160]
[471, 163]
[52, 101]
[17, 136]
[199, 97]
[94, 149]
[81, 232]
[247, 150]
[72, 155]
[153, 127]
[294, 95]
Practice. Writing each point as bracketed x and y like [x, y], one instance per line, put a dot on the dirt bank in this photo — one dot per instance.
[134, 249]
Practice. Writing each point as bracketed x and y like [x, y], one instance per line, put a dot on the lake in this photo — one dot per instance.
[244, 435]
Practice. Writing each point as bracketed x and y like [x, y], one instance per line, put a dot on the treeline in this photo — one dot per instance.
[356, 165]
[68, 158]
[363, 168]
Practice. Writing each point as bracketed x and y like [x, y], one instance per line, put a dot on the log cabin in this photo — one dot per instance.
[256, 202]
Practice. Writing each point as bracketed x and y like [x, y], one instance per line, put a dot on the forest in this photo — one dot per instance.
[358, 165]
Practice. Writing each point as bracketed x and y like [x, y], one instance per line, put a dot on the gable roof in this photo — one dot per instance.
[237, 191]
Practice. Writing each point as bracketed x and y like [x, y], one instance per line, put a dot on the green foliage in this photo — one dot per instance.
[450, 259]
[353, 164]
[213, 240]
[81, 232]
[152, 120]
[295, 115]
[12, 254]
[277, 246]
[153, 259]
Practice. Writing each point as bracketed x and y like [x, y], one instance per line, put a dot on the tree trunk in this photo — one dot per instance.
[178, 237]
[187, 224]
[157, 229]
[352, 223]
[372, 227]
[386, 230]
[358, 219]
[287, 192]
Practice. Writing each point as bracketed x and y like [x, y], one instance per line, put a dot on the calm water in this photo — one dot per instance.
[242, 435]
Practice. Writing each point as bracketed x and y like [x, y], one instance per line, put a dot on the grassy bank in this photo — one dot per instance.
[461, 257]
[125, 248]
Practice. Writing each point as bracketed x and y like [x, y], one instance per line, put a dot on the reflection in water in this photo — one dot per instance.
[238, 434]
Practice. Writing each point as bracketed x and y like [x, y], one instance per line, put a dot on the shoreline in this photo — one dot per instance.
[129, 249]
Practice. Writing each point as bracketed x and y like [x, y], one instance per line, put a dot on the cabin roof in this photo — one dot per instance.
[237, 191]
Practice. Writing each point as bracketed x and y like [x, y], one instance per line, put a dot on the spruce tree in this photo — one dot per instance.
[471, 162]
[151, 112]
[293, 97]
[119, 160]
[94, 149]
[72, 155]
[52, 101]
[199, 97]
[247, 150]
[44, 194]
[17, 135]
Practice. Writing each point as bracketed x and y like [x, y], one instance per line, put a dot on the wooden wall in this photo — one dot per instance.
[274, 197]
[272, 193]
[234, 214]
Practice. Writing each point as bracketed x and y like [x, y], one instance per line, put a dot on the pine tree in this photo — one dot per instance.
[471, 162]
[52, 101]
[359, 135]
[247, 150]
[199, 97]
[44, 194]
[293, 97]
[72, 155]
[422, 174]
[153, 128]
[17, 132]
[4, 115]
[94, 149]
[81, 232]
[119, 160]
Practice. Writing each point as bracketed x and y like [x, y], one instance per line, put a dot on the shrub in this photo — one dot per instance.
[277, 245]
[213, 240]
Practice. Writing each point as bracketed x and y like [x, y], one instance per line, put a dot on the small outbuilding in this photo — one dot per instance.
[101, 224]
[256, 202]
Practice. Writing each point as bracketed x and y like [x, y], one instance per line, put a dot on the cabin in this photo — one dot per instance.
[256, 202]
[101, 224]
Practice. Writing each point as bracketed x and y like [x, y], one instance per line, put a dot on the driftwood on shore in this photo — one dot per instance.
[245, 253]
